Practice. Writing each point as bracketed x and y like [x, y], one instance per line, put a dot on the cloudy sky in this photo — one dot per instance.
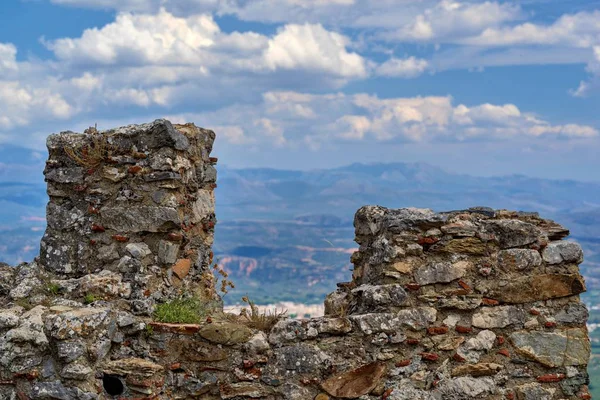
[485, 88]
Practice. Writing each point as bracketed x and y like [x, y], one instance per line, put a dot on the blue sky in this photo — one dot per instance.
[485, 88]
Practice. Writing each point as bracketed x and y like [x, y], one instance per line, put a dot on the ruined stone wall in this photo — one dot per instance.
[131, 211]
[474, 304]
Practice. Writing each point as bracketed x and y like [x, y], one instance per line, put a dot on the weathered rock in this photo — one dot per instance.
[414, 318]
[497, 317]
[69, 351]
[482, 369]
[513, 233]
[245, 390]
[138, 250]
[534, 391]
[559, 252]
[140, 219]
[559, 348]
[355, 383]
[464, 387]
[76, 322]
[289, 330]
[378, 297]
[225, 333]
[132, 366]
[440, 272]
[518, 259]
[574, 313]
[301, 359]
[539, 287]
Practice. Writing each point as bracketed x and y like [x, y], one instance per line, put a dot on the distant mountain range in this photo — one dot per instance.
[287, 235]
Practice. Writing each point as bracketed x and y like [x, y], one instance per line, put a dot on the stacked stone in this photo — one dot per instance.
[483, 303]
[131, 212]
[474, 304]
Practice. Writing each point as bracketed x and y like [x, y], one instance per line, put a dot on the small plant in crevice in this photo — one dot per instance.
[184, 310]
[25, 303]
[148, 330]
[264, 321]
[53, 289]
[89, 298]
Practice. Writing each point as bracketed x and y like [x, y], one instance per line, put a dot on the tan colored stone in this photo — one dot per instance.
[182, 267]
[450, 343]
[469, 245]
[539, 287]
[559, 348]
[322, 396]
[244, 389]
[404, 267]
[226, 333]
[355, 383]
[482, 369]
[132, 366]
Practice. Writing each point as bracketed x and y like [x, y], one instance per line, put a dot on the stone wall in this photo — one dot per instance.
[474, 304]
[131, 211]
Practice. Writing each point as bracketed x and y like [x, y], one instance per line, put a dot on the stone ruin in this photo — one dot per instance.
[472, 304]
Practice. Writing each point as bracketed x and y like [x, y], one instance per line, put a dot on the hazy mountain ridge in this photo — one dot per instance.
[287, 235]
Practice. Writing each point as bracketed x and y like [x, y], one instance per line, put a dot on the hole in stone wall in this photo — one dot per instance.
[112, 384]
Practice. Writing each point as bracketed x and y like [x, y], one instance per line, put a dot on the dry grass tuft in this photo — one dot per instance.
[94, 154]
[264, 321]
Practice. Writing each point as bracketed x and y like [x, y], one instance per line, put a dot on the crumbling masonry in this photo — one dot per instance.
[473, 304]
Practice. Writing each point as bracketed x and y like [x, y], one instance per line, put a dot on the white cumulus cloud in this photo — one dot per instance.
[409, 67]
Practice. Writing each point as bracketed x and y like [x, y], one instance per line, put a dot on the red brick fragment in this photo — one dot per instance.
[501, 340]
[429, 356]
[463, 329]
[464, 285]
[413, 286]
[550, 324]
[584, 393]
[175, 366]
[139, 155]
[120, 238]
[134, 169]
[98, 228]
[248, 363]
[93, 210]
[427, 240]
[504, 352]
[403, 363]
[510, 396]
[533, 311]
[386, 394]
[175, 237]
[437, 330]
[490, 302]
[29, 375]
[458, 357]
[213, 160]
[413, 341]
[551, 378]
